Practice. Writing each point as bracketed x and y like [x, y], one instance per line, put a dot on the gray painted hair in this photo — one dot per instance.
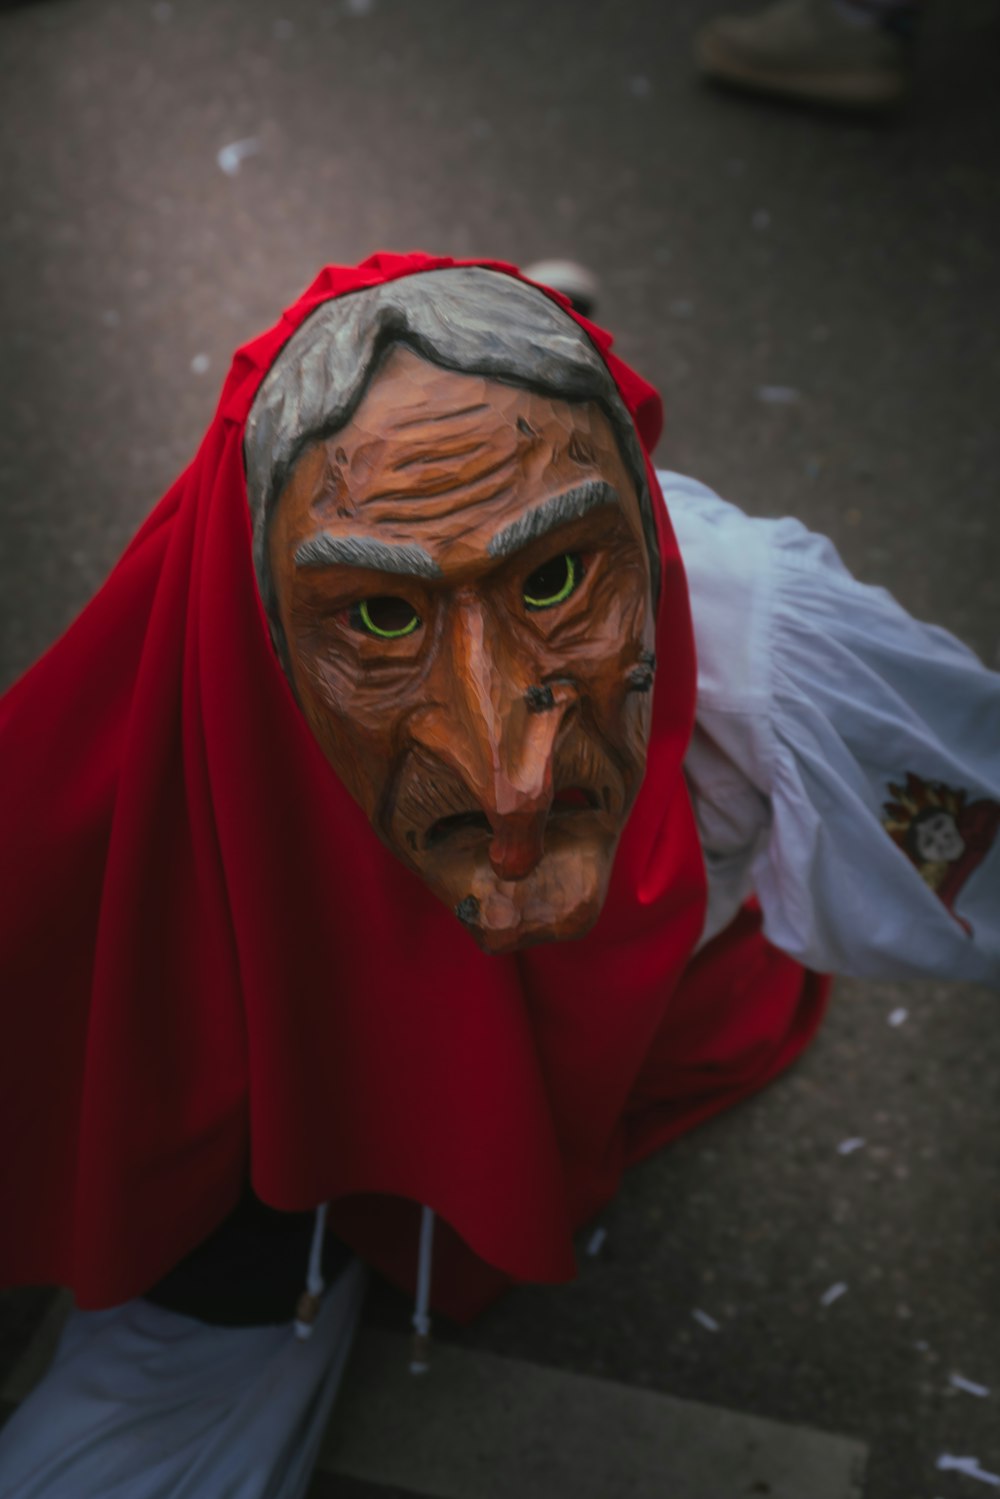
[463, 318]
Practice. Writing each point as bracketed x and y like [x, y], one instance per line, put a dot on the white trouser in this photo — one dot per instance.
[143, 1403]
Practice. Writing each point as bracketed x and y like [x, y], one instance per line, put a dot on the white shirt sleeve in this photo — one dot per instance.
[845, 764]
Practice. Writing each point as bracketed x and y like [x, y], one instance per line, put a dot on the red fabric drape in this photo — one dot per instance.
[212, 966]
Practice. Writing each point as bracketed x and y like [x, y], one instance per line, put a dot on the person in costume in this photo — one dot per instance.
[438, 811]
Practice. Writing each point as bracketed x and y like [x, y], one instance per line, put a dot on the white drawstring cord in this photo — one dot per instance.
[420, 1362]
[308, 1307]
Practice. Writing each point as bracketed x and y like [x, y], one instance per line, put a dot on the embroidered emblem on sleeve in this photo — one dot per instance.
[943, 834]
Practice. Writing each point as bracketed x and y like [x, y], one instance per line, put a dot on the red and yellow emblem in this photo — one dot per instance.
[942, 833]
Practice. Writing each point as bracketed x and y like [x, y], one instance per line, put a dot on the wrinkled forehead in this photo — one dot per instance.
[465, 319]
[459, 464]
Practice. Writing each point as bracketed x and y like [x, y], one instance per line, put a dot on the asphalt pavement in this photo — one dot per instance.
[817, 298]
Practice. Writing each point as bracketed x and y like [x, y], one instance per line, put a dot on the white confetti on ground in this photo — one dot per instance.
[596, 1240]
[897, 1017]
[230, 156]
[705, 1320]
[848, 1147]
[833, 1293]
[959, 1382]
[778, 395]
[200, 363]
[969, 1466]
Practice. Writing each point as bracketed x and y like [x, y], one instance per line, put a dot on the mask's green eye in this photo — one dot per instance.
[554, 581]
[386, 617]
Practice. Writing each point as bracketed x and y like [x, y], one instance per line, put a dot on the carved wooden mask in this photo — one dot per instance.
[464, 590]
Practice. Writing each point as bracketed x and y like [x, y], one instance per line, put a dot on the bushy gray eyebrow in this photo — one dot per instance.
[364, 551]
[551, 514]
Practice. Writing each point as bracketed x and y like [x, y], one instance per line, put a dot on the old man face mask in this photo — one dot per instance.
[459, 584]
[463, 591]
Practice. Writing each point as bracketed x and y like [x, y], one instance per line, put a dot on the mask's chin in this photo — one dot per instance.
[560, 899]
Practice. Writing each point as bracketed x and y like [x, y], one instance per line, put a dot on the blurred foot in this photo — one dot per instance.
[574, 281]
[814, 51]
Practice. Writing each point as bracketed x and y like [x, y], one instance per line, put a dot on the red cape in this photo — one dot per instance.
[212, 966]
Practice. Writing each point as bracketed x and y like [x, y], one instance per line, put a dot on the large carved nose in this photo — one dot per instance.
[485, 722]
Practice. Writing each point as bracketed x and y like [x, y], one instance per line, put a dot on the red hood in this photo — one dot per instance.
[213, 967]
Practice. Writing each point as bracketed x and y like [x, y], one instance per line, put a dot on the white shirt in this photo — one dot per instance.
[845, 764]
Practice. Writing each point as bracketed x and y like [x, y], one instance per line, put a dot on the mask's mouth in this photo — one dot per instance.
[566, 802]
[556, 891]
[457, 822]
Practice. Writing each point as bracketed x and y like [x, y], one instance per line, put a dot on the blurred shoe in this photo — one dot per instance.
[814, 51]
[574, 281]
